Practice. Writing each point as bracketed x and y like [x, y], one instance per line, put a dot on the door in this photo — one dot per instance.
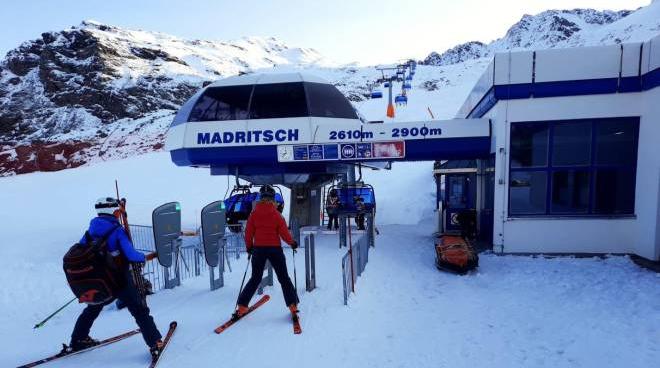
[459, 196]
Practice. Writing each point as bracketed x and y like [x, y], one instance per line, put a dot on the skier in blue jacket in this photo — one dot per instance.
[107, 225]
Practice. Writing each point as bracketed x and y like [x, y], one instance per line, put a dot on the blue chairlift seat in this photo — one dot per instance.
[401, 99]
[348, 195]
[407, 86]
[409, 77]
[376, 94]
[386, 85]
[238, 207]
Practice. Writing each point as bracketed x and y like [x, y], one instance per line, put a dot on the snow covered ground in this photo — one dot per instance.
[515, 312]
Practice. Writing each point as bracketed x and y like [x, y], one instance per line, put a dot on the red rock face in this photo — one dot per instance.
[24, 159]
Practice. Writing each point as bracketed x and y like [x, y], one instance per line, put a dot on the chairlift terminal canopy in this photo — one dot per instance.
[296, 123]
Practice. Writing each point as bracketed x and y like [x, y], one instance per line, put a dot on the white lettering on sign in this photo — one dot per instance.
[249, 136]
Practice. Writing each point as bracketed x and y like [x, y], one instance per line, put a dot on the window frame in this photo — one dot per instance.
[207, 92]
[304, 94]
[308, 103]
[591, 168]
[311, 101]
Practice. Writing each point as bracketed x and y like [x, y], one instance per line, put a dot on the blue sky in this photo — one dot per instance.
[345, 31]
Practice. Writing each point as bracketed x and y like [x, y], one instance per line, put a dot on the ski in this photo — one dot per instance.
[235, 318]
[166, 341]
[63, 353]
[296, 324]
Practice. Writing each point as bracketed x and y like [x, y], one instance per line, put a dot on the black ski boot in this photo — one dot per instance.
[85, 343]
[156, 350]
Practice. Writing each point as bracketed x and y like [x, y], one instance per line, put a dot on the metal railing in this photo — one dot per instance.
[353, 264]
[310, 262]
[235, 241]
[189, 259]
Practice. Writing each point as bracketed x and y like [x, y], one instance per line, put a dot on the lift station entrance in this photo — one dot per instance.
[299, 131]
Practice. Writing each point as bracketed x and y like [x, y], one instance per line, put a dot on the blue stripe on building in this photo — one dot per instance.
[645, 82]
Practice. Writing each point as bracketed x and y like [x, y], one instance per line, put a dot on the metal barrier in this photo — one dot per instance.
[353, 264]
[347, 276]
[345, 226]
[310, 263]
[212, 236]
[235, 242]
[190, 256]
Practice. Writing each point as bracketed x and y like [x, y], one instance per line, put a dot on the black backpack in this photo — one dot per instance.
[92, 272]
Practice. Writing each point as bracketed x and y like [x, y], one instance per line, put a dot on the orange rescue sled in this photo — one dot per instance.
[455, 254]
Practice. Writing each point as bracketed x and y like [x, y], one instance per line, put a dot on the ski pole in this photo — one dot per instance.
[244, 274]
[295, 276]
[40, 324]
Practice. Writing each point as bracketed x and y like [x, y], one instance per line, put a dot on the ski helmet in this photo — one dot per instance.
[106, 205]
[267, 192]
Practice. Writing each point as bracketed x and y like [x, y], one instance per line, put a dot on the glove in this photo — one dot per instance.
[294, 245]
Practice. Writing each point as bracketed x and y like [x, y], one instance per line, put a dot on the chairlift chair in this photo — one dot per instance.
[348, 193]
[239, 205]
[401, 100]
[376, 94]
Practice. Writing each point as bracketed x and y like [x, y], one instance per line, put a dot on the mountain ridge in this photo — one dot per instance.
[97, 92]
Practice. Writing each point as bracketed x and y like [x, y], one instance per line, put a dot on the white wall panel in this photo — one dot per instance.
[522, 64]
[502, 68]
[578, 63]
[630, 59]
[654, 60]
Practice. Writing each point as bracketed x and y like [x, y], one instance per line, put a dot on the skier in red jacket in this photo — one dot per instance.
[265, 227]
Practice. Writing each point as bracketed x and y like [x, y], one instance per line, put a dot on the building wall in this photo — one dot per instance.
[648, 177]
[638, 234]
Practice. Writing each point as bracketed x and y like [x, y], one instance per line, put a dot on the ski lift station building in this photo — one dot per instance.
[554, 151]
[575, 151]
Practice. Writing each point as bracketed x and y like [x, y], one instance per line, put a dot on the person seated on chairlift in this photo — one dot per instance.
[332, 204]
[360, 207]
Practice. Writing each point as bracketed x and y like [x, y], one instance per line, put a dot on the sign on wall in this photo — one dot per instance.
[341, 151]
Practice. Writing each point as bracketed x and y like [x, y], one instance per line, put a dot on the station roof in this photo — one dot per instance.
[455, 166]
[268, 78]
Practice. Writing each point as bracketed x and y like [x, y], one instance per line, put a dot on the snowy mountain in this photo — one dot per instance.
[458, 54]
[64, 94]
[96, 92]
[549, 29]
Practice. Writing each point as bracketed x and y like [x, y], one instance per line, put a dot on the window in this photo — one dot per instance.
[570, 191]
[327, 102]
[457, 198]
[618, 181]
[576, 167]
[280, 100]
[616, 143]
[571, 144]
[222, 103]
[530, 148]
[528, 191]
